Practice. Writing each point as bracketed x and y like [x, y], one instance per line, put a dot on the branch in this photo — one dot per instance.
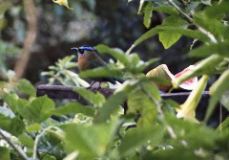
[38, 139]
[201, 29]
[31, 17]
[17, 149]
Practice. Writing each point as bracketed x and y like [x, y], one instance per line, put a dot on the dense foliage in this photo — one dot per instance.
[40, 128]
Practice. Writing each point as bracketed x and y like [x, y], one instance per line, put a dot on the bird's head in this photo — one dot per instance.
[85, 56]
[83, 50]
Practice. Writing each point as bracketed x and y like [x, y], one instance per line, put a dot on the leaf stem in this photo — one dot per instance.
[38, 137]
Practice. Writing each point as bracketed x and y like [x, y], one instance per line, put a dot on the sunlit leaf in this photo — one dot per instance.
[62, 3]
[26, 87]
[39, 109]
[148, 13]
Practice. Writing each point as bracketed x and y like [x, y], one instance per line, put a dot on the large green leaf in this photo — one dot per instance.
[73, 108]
[138, 137]
[216, 91]
[39, 109]
[13, 125]
[90, 141]
[26, 140]
[168, 38]
[96, 99]
[26, 87]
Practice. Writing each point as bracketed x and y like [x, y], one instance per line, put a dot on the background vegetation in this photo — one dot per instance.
[36, 33]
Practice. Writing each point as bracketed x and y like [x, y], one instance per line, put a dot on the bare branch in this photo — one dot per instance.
[31, 17]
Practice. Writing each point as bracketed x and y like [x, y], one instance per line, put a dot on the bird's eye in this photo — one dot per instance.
[81, 51]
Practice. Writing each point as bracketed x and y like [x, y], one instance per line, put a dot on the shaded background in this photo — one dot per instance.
[112, 22]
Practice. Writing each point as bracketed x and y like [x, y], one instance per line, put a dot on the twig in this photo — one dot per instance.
[17, 149]
[201, 29]
[36, 142]
[31, 17]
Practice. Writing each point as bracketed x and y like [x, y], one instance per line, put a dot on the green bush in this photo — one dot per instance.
[38, 128]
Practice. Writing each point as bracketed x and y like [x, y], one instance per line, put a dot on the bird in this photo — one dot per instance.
[88, 58]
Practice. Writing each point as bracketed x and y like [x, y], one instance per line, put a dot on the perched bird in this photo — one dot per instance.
[88, 58]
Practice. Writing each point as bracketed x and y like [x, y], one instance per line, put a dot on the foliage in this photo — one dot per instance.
[150, 128]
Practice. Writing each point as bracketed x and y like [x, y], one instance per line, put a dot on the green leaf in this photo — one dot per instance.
[101, 72]
[217, 11]
[144, 100]
[138, 137]
[90, 141]
[73, 108]
[4, 153]
[14, 125]
[148, 13]
[26, 87]
[114, 52]
[113, 102]
[166, 9]
[221, 48]
[168, 38]
[152, 32]
[96, 99]
[26, 140]
[110, 106]
[39, 109]
[217, 90]
[211, 25]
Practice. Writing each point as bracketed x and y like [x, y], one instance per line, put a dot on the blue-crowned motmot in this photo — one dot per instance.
[88, 58]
